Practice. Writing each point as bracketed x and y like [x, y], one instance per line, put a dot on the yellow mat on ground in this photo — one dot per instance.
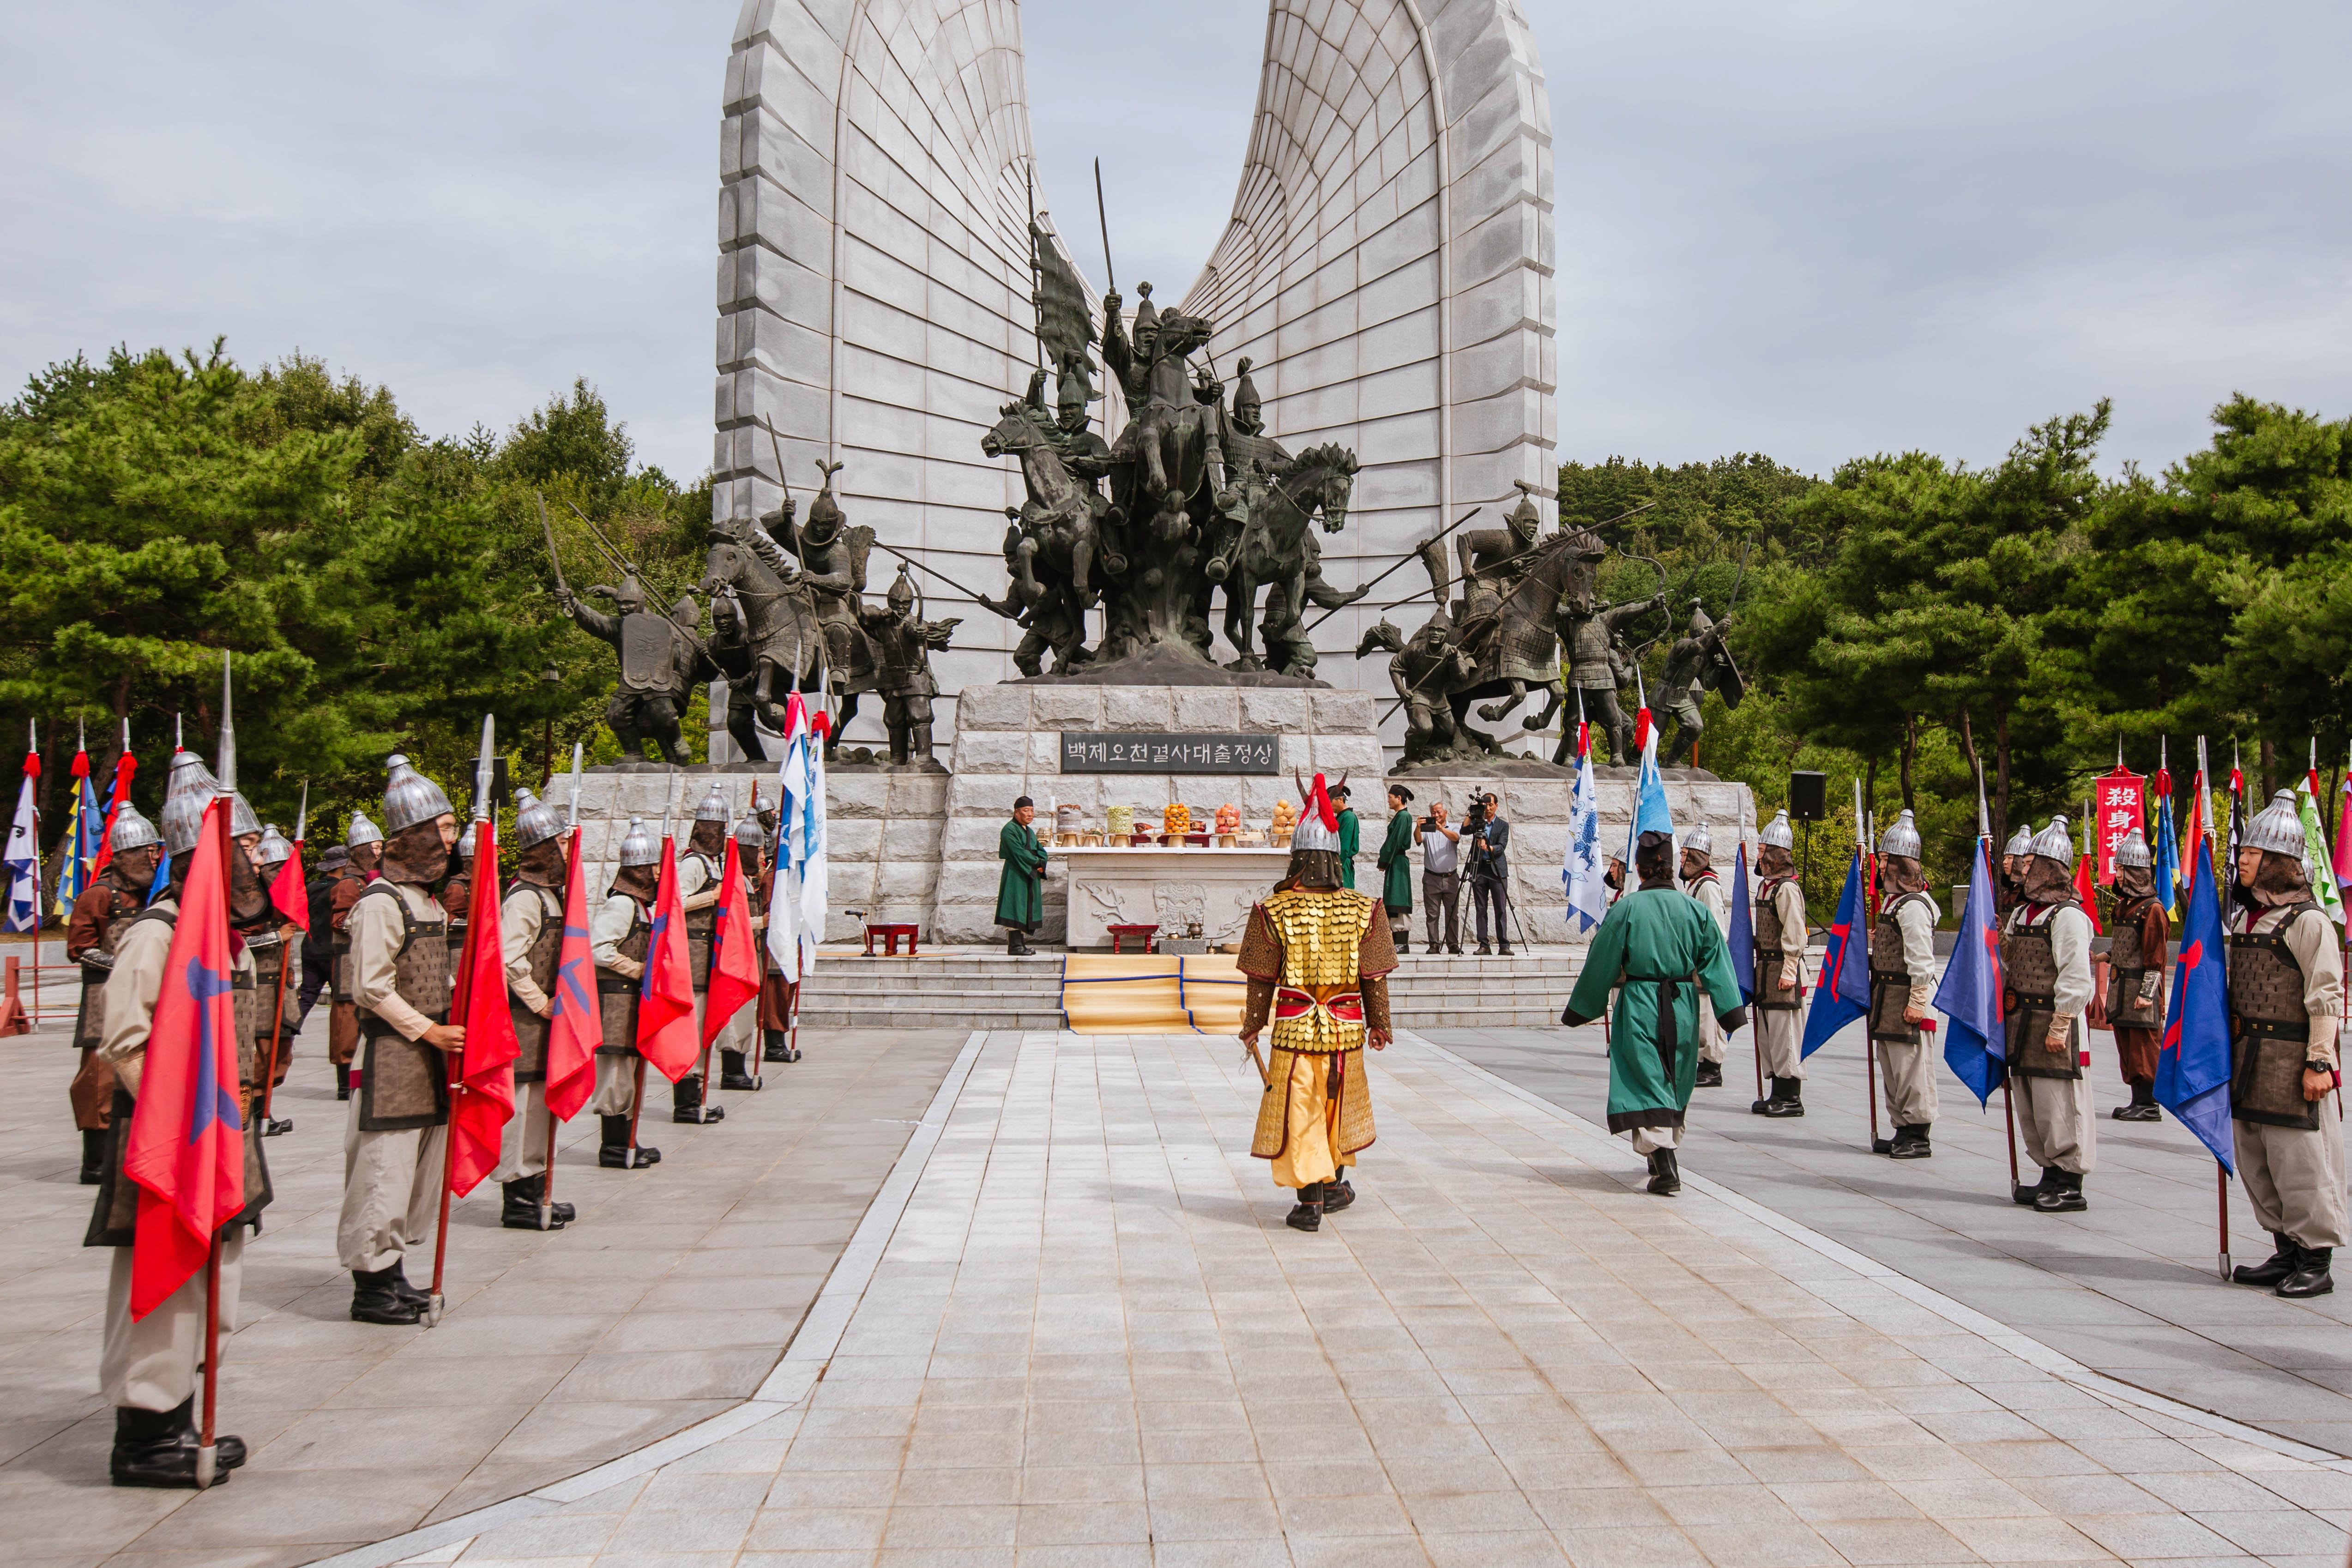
[1161, 994]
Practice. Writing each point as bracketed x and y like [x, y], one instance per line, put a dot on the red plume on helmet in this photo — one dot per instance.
[1316, 802]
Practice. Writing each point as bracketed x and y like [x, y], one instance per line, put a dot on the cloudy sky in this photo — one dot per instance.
[1814, 228]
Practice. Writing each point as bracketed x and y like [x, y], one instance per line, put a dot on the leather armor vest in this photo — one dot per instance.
[2031, 970]
[1890, 986]
[2127, 964]
[544, 952]
[2270, 1028]
[616, 993]
[1768, 956]
[403, 1083]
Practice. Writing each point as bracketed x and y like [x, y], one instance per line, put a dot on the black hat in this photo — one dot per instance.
[1401, 793]
[1024, 800]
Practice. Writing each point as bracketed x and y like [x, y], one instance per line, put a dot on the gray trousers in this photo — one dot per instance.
[392, 1192]
[616, 1085]
[1710, 1033]
[152, 1364]
[1650, 1140]
[1907, 1081]
[2054, 1115]
[1781, 1033]
[1441, 893]
[522, 1148]
[2296, 1179]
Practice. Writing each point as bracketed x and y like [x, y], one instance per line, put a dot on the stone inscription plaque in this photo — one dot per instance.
[1086, 753]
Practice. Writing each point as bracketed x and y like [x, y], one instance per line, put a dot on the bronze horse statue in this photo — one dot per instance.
[1271, 550]
[780, 629]
[1059, 526]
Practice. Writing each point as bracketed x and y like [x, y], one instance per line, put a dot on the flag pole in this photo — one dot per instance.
[278, 1009]
[2221, 1192]
[547, 1177]
[207, 1447]
[437, 1298]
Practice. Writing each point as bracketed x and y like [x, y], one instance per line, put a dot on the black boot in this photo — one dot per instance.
[1709, 1075]
[772, 1043]
[2028, 1197]
[274, 1128]
[158, 1448]
[375, 1299]
[2311, 1276]
[1403, 945]
[408, 1292]
[734, 1072]
[522, 1209]
[1788, 1097]
[2281, 1263]
[1016, 945]
[1665, 1173]
[343, 1080]
[93, 1157]
[1308, 1215]
[613, 1151]
[2064, 1198]
[2143, 1106]
[1337, 1194]
[686, 1102]
[1911, 1143]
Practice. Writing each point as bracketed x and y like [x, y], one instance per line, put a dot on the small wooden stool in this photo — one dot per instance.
[890, 933]
[1119, 934]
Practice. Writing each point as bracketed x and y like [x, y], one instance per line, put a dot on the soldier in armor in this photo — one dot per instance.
[1659, 949]
[2046, 965]
[530, 943]
[902, 653]
[1423, 668]
[620, 934]
[735, 1036]
[699, 893]
[147, 1368]
[1778, 919]
[364, 851]
[1692, 667]
[1589, 628]
[1317, 957]
[456, 896]
[830, 557]
[2286, 983]
[1131, 362]
[2142, 935]
[276, 953]
[1902, 982]
[401, 982]
[2014, 858]
[660, 662]
[1493, 561]
[1700, 881]
[100, 917]
[731, 654]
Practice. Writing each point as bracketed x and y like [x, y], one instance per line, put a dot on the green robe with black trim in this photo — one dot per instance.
[1396, 864]
[1657, 948]
[1020, 886]
[1351, 835]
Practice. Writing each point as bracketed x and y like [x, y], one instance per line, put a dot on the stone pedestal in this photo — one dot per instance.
[1185, 892]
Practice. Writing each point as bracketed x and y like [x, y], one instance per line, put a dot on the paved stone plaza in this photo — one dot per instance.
[1071, 1328]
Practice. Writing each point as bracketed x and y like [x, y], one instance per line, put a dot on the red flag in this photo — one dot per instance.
[482, 1100]
[2122, 811]
[125, 766]
[1641, 727]
[2084, 890]
[735, 972]
[577, 1027]
[288, 892]
[666, 1003]
[186, 1150]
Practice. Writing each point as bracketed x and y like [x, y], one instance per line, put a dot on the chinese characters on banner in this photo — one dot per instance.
[2122, 810]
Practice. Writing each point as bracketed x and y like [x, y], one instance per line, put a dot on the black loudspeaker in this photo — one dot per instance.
[1809, 796]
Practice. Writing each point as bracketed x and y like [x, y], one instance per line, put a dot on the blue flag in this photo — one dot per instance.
[1844, 994]
[2192, 1064]
[2168, 859]
[1970, 994]
[1743, 929]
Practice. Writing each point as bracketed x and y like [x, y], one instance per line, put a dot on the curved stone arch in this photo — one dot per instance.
[1392, 285]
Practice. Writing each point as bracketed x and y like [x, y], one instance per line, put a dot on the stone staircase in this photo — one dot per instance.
[988, 990]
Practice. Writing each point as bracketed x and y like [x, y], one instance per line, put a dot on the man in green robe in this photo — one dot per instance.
[1661, 947]
[1351, 834]
[1396, 866]
[1020, 886]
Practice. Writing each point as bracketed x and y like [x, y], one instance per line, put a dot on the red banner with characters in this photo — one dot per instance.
[2122, 808]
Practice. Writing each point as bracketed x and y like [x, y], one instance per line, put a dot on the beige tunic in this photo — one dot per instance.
[1907, 1071]
[2296, 1179]
[1709, 891]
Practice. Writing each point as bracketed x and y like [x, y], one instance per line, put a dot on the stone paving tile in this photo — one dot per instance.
[2126, 1287]
[1091, 1340]
[558, 1351]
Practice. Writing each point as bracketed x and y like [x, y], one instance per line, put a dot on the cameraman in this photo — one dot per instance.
[1441, 878]
[1485, 846]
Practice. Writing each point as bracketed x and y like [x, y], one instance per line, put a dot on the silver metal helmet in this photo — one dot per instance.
[749, 836]
[1777, 834]
[409, 797]
[242, 822]
[714, 807]
[638, 849]
[1902, 838]
[187, 793]
[465, 843]
[273, 849]
[2055, 842]
[2276, 827]
[1700, 839]
[536, 822]
[362, 832]
[132, 831]
[2131, 849]
[2020, 842]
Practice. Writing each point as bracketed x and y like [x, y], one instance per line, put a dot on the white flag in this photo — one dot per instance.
[1580, 868]
[815, 878]
[784, 892]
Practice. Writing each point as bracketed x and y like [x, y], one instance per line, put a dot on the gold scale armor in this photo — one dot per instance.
[1318, 959]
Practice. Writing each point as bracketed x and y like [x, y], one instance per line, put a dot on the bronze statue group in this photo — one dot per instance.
[395, 905]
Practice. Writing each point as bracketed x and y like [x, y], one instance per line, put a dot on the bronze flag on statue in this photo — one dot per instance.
[1064, 322]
